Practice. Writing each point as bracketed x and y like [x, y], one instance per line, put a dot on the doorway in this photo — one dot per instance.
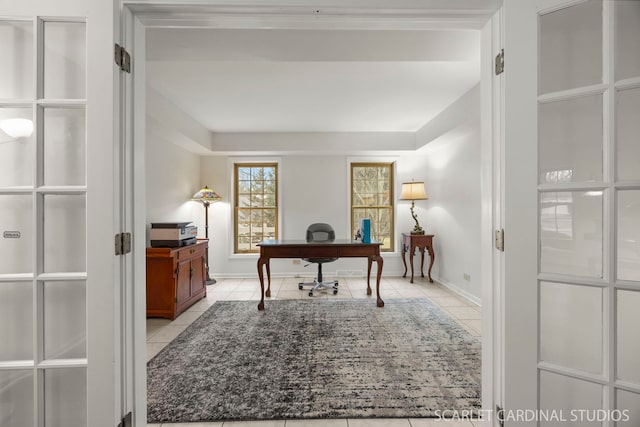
[148, 17]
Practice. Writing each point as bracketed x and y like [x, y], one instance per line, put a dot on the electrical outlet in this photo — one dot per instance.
[296, 262]
[467, 277]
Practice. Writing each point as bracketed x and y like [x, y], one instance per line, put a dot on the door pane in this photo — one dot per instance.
[16, 72]
[629, 405]
[16, 252]
[627, 36]
[16, 318]
[628, 336]
[65, 394]
[570, 140]
[64, 146]
[64, 320]
[16, 147]
[571, 47]
[571, 233]
[628, 253]
[64, 60]
[628, 133]
[571, 319]
[64, 234]
[16, 398]
[563, 394]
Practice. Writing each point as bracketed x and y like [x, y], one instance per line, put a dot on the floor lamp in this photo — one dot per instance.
[206, 196]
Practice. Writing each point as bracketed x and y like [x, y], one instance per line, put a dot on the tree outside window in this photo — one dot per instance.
[372, 197]
[256, 205]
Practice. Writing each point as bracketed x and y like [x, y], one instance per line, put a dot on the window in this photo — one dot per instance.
[256, 205]
[372, 197]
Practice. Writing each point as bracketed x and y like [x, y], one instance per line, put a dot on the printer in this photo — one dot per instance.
[172, 234]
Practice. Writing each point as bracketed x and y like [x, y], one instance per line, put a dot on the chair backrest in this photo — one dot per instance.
[320, 232]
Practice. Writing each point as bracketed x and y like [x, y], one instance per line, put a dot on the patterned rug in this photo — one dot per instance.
[315, 359]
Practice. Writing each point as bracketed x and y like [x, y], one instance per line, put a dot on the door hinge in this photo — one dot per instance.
[500, 415]
[127, 421]
[123, 59]
[500, 240]
[123, 243]
[500, 62]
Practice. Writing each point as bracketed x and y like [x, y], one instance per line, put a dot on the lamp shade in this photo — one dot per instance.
[206, 195]
[413, 191]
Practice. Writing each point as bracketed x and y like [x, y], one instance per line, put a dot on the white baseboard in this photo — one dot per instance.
[464, 294]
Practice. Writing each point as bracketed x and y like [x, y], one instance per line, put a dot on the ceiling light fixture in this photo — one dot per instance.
[17, 128]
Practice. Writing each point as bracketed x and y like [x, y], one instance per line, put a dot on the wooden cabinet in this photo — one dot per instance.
[175, 279]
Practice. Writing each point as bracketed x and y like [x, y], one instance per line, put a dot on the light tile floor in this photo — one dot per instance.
[162, 331]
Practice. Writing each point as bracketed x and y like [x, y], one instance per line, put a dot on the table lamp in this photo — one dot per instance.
[206, 196]
[414, 191]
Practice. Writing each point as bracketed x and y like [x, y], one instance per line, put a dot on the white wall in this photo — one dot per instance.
[453, 213]
[315, 189]
[173, 176]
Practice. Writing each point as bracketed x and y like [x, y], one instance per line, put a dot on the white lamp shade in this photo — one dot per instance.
[17, 128]
[413, 191]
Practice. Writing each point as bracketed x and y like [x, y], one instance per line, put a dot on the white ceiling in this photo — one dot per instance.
[291, 80]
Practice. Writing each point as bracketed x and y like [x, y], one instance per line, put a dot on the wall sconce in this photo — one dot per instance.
[414, 191]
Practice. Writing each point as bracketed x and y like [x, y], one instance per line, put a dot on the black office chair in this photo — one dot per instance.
[320, 232]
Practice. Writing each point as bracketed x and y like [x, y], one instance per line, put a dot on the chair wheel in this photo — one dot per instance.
[300, 286]
[335, 291]
[310, 293]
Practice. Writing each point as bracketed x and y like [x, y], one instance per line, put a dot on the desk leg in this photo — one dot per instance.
[261, 262]
[422, 251]
[404, 260]
[432, 257]
[268, 292]
[380, 261]
[370, 261]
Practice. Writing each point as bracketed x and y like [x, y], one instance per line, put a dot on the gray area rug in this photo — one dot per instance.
[315, 359]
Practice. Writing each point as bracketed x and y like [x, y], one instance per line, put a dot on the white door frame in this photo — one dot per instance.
[217, 14]
[492, 196]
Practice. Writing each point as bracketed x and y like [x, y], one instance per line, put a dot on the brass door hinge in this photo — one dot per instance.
[123, 243]
[122, 58]
[500, 415]
[500, 240]
[500, 62]
[127, 421]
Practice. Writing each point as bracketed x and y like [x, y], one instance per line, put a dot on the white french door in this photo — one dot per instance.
[58, 283]
[572, 217]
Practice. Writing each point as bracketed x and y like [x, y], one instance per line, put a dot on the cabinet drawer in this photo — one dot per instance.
[358, 251]
[282, 252]
[188, 252]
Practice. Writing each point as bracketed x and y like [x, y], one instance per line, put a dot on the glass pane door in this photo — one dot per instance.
[43, 221]
[589, 206]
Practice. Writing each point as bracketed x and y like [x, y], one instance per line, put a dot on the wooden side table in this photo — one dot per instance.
[422, 242]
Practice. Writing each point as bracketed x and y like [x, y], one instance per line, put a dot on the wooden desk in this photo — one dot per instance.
[422, 242]
[301, 249]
